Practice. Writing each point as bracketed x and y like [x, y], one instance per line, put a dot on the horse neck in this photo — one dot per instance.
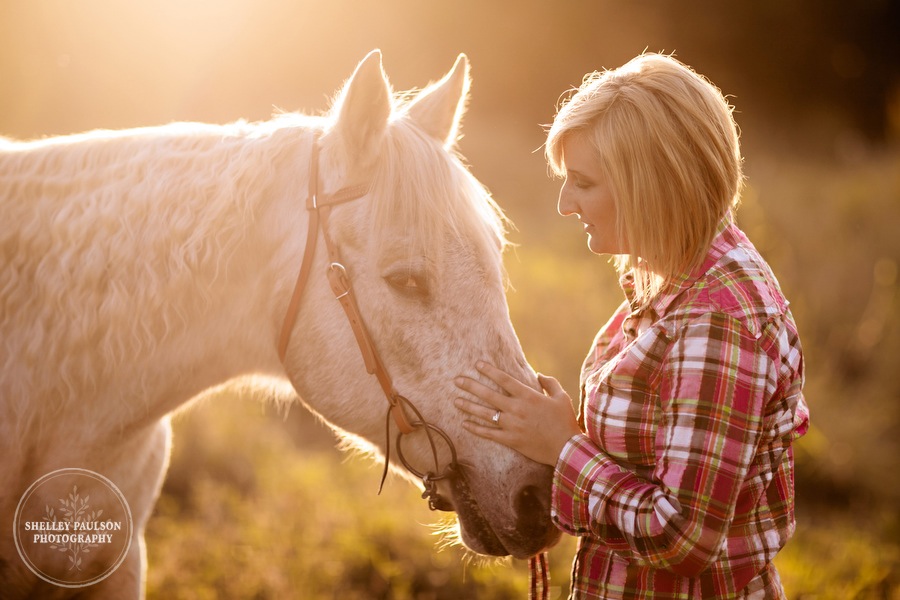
[232, 304]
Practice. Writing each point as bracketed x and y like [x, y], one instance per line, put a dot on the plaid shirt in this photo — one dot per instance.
[682, 486]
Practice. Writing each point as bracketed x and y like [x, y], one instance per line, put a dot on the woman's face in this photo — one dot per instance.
[587, 195]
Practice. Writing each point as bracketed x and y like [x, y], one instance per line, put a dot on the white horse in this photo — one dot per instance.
[142, 268]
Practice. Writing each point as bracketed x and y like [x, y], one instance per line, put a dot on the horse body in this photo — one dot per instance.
[140, 269]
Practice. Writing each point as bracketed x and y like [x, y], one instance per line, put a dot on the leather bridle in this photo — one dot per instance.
[319, 207]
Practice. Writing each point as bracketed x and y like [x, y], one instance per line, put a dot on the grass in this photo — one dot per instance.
[255, 507]
[279, 513]
[836, 556]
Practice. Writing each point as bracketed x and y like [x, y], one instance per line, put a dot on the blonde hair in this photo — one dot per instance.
[668, 146]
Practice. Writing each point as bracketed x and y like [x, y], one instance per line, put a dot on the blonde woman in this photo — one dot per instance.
[677, 472]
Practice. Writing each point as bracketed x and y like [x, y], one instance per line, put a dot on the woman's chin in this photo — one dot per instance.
[599, 245]
[596, 246]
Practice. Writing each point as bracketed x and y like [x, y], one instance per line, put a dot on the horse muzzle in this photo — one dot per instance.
[518, 525]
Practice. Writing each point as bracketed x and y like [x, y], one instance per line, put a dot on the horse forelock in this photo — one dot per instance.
[427, 192]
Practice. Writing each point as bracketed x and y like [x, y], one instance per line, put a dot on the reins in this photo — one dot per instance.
[319, 208]
[539, 572]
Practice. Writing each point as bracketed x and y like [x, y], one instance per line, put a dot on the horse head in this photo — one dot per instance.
[423, 248]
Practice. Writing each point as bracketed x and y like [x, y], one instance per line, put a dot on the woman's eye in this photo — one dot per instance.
[582, 184]
[578, 182]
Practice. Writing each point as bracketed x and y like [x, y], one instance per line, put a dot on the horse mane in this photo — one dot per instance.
[100, 227]
[432, 193]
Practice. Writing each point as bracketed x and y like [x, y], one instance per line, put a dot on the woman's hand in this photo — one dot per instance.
[535, 424]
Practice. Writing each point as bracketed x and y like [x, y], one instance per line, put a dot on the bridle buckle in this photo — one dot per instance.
[339, 280]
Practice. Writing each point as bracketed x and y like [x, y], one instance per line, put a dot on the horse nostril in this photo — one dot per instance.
[530, 506]
[534, 530]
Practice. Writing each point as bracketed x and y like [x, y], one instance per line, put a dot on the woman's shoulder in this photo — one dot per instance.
[740, 284]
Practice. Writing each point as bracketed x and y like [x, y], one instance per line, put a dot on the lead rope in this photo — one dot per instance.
[539, 570]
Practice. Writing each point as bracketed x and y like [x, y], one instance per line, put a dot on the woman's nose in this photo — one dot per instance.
[565, 206]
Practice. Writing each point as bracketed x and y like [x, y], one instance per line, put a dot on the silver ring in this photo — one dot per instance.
[496, 419]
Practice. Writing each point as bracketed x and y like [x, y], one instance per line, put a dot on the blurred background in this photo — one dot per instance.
[261, 505]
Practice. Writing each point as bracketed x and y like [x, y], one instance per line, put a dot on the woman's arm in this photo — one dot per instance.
[711, 393]
[712, 401]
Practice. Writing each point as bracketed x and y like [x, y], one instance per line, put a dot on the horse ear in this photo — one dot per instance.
[439, 108]
[363, 108]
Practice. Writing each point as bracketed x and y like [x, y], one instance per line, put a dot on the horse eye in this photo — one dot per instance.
[409, 284]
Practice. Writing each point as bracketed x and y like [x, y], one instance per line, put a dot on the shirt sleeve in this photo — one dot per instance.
[712, 390]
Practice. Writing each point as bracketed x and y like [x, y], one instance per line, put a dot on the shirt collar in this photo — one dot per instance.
[727, 236]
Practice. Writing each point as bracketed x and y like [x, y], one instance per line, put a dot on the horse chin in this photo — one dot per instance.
[523, 540]
[475, 531]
